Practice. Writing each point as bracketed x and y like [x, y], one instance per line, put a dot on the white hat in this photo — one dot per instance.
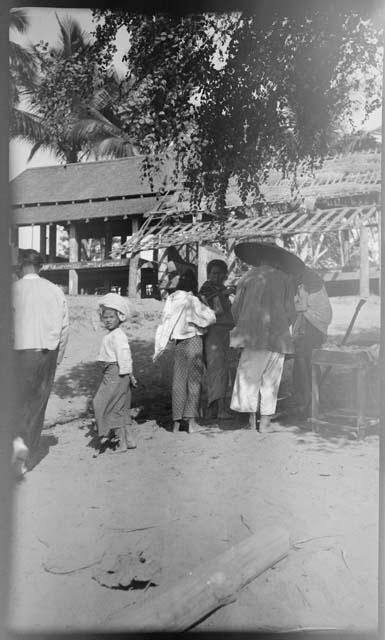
[115, 301]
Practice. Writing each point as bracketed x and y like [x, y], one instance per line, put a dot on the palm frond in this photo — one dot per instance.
[35, 149]
[114, 148]
[72, 36]
[18, 20]
[26, 126]
[87, 129]
[23, 63]
[94, 129]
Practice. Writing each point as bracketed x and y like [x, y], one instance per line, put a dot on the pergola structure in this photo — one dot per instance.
[108, 199]
[343, 194]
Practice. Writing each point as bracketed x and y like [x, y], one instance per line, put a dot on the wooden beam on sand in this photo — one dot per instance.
[208, 587]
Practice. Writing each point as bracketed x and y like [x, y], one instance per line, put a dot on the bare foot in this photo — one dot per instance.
[192, 425]
[264, 425]
[176, 426]
[121, 448]
[129, 440]
[123, 442]
[252, 424]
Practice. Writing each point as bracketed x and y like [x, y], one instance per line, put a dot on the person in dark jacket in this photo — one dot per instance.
[217, 339]
[263, 311]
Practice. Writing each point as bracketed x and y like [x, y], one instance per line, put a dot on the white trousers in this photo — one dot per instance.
[257, 381]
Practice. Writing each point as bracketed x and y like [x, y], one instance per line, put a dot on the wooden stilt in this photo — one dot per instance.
[52, 243]
[108, 240]
[209, 586]
[201, 266]
[133, 268]
[74, 248]
[43, 240]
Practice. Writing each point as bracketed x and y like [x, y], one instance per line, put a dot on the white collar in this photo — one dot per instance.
[180, 293]
[30, 276]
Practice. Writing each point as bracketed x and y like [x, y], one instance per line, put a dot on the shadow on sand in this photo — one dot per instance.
[45, 444]
[151, 400]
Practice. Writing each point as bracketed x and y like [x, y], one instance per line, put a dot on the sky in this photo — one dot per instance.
[43, 26]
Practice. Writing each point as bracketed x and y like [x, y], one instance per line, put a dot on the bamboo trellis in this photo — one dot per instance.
[341, 196]
[177, 233]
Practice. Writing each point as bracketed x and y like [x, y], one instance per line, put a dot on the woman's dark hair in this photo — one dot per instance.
[187, 282]
[31, 257]
[221, 264]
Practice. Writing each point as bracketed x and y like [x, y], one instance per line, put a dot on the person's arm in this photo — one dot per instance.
[64, 334]
[123, 354]
[238, 303]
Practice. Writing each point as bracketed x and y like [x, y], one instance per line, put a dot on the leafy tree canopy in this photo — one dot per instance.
[231, 96]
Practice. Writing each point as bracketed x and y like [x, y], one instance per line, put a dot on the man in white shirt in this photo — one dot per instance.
[41, 330]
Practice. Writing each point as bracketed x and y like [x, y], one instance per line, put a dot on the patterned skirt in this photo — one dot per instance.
[112, 402]
[187, 378]
[216, 347]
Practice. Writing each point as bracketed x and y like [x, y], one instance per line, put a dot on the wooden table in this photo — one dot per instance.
[356, 360]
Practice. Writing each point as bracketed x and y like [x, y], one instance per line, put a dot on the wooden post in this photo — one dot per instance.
[379, 251]
[52, 242]
[134, 262]
[162, 269]
[345, 245]
[202, 261]
[73, 280]
[315, 399]
[209, 586]
[43, 240]
[364, 262]
[342, 252]
[108, 240]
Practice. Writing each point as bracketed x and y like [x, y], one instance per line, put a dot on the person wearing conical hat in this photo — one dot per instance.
[112, 402]
[263, 311]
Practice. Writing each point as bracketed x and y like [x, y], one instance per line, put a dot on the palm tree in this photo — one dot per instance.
[95, 127]
[100, 123]
[72, 38]
[23, 77]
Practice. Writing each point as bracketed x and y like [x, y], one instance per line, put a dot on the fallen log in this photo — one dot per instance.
[208, 587]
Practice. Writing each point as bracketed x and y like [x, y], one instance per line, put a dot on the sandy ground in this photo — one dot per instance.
[182, 499]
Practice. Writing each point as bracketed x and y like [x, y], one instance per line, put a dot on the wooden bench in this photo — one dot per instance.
[357, 361]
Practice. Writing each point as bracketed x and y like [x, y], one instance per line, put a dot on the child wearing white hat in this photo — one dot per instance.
[112, 402]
